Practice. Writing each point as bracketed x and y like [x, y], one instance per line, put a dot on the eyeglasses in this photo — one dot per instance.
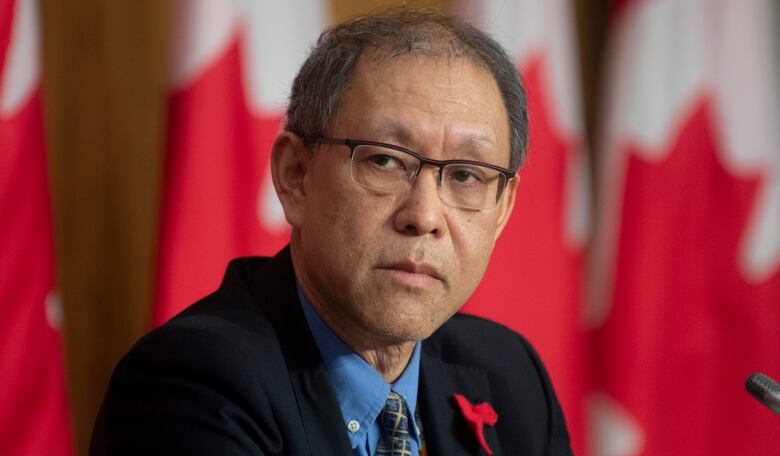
[386, 168]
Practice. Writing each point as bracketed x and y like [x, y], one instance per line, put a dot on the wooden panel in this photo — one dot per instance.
[103, 75]
[591, 18]
[345, 9]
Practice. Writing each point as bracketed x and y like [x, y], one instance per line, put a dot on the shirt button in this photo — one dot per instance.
[353, 426]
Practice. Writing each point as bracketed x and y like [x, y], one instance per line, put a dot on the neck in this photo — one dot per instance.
[387, 356]
[390, 361]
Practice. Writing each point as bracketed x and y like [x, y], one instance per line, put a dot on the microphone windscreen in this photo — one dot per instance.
[759, 384]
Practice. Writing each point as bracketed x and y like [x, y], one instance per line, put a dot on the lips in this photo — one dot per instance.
[419, 274]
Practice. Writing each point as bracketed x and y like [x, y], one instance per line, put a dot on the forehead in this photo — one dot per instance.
[433, 104]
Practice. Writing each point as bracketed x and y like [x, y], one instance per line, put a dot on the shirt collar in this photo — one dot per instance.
[360, 390]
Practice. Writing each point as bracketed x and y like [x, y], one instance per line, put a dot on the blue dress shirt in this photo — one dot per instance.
[360, 390]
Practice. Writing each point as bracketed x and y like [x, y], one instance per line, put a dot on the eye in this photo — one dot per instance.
[466, 175]
[463, 176]
[384, 161]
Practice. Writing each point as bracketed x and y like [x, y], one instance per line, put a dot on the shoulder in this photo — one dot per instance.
[225, 327]
[506, 356]
[224, 341]
[209, 381]
[467, 339]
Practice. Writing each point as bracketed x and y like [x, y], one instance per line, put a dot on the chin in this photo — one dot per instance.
[405, 336]
[408, 330]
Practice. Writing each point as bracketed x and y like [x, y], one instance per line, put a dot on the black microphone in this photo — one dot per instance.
[766, 390]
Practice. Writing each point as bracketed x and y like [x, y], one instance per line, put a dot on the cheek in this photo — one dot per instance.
[327, 222]
[346, 223]
[473, 237]
[473, 244]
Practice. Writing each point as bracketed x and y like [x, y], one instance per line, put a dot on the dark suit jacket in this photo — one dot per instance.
[239, 373]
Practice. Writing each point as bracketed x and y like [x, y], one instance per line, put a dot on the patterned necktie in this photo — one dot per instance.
[394, 424]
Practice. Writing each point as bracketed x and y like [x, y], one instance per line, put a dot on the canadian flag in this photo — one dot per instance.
[231, 71]
[535, 281]
[688, 270]
[33, 405]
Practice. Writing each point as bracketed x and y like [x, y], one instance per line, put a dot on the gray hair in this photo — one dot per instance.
[319, 85]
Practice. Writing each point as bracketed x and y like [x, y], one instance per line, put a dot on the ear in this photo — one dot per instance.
[506, 205]
[289, 162]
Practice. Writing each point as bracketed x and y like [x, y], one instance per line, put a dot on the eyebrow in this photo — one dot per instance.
[475, 146]
[394, 131]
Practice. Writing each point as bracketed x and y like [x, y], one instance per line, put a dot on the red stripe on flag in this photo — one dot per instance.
[33, 403]
[6, 18]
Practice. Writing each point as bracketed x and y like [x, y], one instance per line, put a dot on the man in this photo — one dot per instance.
[396, 172]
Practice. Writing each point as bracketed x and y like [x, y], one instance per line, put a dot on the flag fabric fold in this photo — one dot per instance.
[33, 404]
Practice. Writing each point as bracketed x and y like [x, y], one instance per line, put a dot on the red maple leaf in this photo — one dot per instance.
[685, 327]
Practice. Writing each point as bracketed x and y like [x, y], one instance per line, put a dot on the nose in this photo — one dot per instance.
[421, 210]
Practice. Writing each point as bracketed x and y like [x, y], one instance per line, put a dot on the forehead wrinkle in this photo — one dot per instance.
[390, 129]
[478, 146]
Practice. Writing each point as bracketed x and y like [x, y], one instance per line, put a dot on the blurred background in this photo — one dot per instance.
[642, 260]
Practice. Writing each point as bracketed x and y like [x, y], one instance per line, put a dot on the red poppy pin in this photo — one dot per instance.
[477, 415]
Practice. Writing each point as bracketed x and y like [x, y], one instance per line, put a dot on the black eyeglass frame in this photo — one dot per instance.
[354, 143]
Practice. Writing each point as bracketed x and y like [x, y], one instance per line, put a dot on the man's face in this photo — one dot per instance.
[395, 267]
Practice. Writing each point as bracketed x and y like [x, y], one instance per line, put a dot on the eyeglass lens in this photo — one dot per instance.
[388, 170]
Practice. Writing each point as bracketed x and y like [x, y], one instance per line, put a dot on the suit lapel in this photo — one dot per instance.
[445, 430]
[320, 412]
[317, 403]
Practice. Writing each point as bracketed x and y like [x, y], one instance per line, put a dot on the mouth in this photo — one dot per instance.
[418, 275]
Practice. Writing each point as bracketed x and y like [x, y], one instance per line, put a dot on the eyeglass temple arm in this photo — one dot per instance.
[344, 142]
